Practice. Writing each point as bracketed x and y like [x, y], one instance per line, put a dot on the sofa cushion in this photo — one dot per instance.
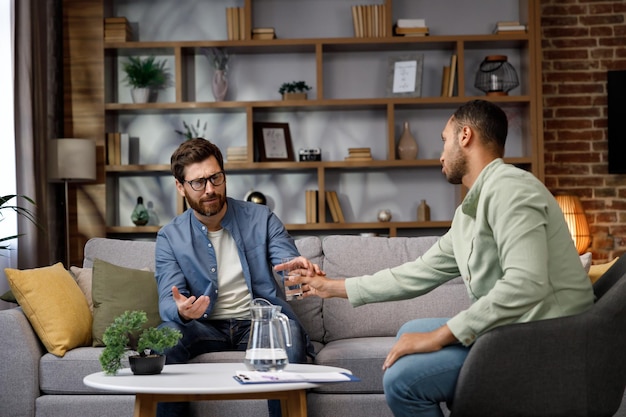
[83, 277]
[363, 356]
[55, 306]
[135, 254]
[116, 289]
[309, 310]
[342, 321]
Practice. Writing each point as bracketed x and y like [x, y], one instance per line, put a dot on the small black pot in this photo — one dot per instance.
[147, 365]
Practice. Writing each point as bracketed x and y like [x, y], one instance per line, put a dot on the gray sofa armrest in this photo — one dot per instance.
[553, 367]
[20, 352]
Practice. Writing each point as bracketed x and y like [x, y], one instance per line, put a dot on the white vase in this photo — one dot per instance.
[140, 95]
[219, 85]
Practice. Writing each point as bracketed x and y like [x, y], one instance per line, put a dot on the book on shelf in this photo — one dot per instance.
[263, 33]
[117, 29]
[331, 207]
[445, 80]
[369, 20]
[411, 23]
[359, 154]
[411, 31]
[113, 148]
[124, 148]
[235, 23]
[509, 27]
[310, 202]
[334, 200]
[452, 78]
[236, 153]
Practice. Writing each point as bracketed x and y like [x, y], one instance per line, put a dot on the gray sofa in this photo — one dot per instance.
[36, 383]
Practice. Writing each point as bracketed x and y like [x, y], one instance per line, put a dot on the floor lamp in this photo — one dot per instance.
[71, 160]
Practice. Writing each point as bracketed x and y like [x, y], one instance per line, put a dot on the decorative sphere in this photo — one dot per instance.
[256, 197]
[384, 215]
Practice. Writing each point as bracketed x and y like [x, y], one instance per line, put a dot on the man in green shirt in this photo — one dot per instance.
[508, 241]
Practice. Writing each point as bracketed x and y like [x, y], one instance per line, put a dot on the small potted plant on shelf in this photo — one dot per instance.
[295, 90]
[126, 334]
[144, 76]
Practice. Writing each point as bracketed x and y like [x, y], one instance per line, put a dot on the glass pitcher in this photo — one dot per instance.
[269, 337]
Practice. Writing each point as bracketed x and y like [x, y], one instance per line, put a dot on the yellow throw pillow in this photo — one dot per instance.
[55, 306]
[596, 271]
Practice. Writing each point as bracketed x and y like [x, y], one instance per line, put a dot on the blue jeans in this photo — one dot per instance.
[416, 384]
[217, 336]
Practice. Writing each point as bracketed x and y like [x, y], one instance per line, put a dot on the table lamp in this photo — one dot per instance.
[71, 160]
[576, 221]
[496, 76]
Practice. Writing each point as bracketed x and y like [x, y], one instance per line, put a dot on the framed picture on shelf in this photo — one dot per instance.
[273, 142]
[404, 77]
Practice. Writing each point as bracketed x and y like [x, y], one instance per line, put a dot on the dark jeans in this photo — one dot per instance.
[217, 336]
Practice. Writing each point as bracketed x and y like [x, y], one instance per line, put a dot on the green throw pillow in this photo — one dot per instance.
[116, 289]
[9, 297]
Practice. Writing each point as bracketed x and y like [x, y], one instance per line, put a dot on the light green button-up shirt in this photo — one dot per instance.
[509, 243]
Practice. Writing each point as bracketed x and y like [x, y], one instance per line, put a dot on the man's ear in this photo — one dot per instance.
[466, 136]
[180, 187]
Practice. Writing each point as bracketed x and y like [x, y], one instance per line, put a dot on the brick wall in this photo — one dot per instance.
[581, 40]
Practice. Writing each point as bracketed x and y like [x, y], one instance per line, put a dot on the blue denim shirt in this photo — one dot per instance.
[185, 256]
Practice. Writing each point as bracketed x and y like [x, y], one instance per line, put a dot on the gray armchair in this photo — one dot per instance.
[571, 366]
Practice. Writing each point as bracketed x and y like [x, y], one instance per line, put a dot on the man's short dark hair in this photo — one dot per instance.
[487, 118]
[192, 151]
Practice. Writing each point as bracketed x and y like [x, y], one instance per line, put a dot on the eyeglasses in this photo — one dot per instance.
[216, 179]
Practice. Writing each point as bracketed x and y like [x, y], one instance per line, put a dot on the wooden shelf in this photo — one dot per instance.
[324, 55]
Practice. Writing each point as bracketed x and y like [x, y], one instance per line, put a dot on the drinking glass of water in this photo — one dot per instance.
[292, 291]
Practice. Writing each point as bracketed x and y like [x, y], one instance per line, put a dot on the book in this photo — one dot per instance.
[262, 36]
[242, 23]
[229, 23]
[263, 30]
[113, 154]
[235, 13]
[411, 23]
[452, 78]
[411, 31]
[335, 201]
[331, 207]
[445, 81]
[124, 148]
[310, 201]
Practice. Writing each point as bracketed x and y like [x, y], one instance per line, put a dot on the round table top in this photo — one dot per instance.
[198, 378]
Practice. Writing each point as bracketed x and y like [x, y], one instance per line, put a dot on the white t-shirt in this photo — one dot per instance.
[233, 299]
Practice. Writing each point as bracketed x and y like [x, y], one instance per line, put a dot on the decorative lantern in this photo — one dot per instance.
[495, 76]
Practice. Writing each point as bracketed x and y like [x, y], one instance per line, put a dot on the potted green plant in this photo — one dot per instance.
[295, 90]
[144, 76]
[127, 334]
[21, 211]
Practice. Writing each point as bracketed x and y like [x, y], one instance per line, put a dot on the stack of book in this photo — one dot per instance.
[359, 154]
[310, 204]
[334, 207]
[411, 27]
[263, 33]
[448, 78]
[369, 21]
[237, 153]
[117, 29]
[510, 27]
[235, 23]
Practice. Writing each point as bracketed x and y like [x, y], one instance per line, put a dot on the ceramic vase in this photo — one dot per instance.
[423, 212]
[140, 95]
[219, 85]
[407, 145]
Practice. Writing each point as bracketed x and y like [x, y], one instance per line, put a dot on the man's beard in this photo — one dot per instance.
[199, 207]
[457, 169]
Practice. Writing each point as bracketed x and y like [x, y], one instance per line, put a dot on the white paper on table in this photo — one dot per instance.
[256, 377]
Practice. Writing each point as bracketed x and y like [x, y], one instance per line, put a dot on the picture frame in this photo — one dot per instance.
[273, 142]
[404, 76]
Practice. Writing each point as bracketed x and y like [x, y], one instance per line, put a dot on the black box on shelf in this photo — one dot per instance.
[310, 154]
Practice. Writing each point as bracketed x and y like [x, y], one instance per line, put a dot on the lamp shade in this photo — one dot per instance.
[576, 221]
[496, 76]
[72, 160]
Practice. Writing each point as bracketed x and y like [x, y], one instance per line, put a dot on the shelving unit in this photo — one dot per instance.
[333, 63]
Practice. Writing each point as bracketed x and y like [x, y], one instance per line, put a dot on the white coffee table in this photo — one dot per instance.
[206, 381]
